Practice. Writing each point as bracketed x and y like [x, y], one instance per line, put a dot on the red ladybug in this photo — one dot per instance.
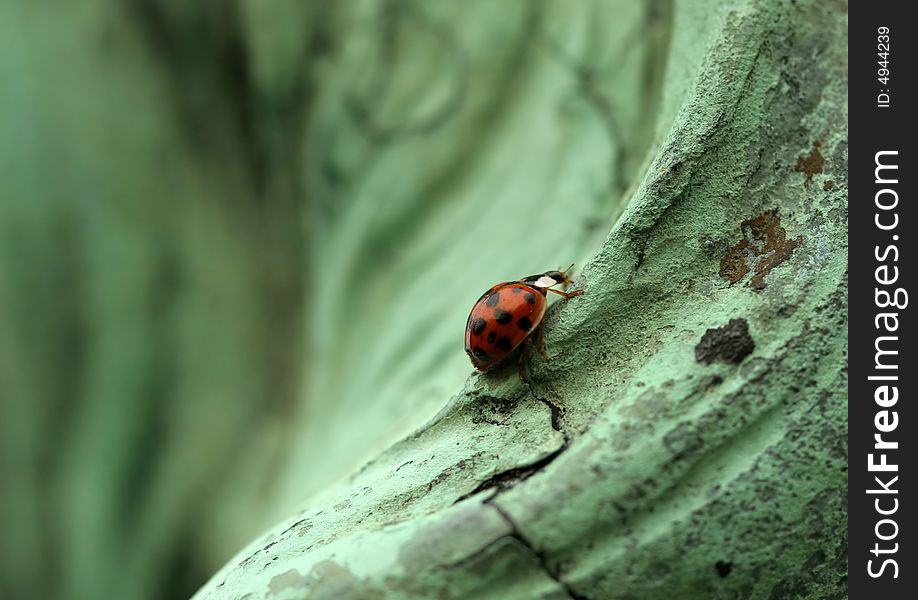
[507, 315]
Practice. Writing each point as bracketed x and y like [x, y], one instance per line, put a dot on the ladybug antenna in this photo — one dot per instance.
[567, 279]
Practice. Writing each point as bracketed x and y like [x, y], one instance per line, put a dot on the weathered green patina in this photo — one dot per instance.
[651, 458]
[239, 240]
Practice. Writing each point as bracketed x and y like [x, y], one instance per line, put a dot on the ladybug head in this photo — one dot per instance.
[561, 276]
[550, 278]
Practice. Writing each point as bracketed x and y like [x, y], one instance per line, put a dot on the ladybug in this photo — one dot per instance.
[507, 316]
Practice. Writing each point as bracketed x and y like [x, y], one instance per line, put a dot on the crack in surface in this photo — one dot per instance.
[556, 413]
[505, 480]
[539, 556]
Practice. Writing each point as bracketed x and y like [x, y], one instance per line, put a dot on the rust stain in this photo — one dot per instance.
[811, 163]
[765, 246]
[733, 265]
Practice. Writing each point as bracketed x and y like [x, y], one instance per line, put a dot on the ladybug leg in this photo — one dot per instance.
[566, 294]
[540, 338]
[522, 367]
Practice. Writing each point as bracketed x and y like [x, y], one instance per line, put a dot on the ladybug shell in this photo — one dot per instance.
[502, 318]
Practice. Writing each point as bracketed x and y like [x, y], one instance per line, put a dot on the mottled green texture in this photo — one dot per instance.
[239, 240]
[627, 468]
[149, 301]
[194, 199]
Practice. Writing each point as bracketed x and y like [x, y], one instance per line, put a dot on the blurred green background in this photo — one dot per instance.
[239, 240]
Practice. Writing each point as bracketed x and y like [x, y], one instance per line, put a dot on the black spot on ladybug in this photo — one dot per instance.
[491, 337]
[478, 352]
[502, 316]
[516, 290]
[478, 326]
[504, 343]
[493, 299]
[525, 323]
[530, 297]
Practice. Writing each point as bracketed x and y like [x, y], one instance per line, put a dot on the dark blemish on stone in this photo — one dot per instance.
[811, 163]
[478, 326]
[730, 343]
[491, 337]
[525, 323]
[530, 297]
[827, 185]
[765, 246]
[504, 343]
[502, 316]
[493, 299]
[723, 567]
